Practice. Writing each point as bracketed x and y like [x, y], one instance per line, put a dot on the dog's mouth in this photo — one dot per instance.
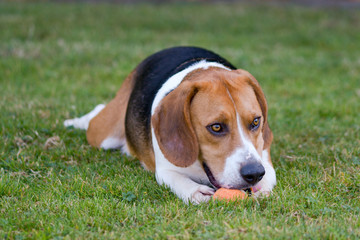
[211, 176]
[215, 183]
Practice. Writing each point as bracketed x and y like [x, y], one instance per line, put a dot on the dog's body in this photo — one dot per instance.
[190, 116]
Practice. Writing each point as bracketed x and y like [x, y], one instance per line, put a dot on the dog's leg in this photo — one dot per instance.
[111, 142]
[107, 129]
[83, 122]
[105, 125]
[181, 180]
[183, 186]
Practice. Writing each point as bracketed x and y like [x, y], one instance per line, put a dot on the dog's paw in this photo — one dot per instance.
[202, 194]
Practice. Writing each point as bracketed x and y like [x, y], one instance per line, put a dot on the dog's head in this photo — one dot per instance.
[220, 118]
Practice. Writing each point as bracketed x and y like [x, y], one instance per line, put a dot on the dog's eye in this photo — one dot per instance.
[255, 123]
[217, 129]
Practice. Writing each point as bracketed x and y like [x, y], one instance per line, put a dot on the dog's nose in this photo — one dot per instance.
[252, 172]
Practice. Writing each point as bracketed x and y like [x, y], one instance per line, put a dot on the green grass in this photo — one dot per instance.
[60, 60]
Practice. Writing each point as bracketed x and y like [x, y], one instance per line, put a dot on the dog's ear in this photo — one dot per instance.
[173, 128]
[260, 96]
[267, 135]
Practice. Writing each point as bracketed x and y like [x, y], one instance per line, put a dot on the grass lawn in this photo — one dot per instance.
[58, 61]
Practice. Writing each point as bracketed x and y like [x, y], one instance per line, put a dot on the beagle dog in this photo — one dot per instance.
[192, 118]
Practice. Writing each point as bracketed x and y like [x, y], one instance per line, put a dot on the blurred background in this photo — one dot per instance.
[59, 59]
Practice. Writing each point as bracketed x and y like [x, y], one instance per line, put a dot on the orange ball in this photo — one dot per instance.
[229, 194]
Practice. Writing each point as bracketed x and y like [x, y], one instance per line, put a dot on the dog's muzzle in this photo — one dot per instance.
[252, 173]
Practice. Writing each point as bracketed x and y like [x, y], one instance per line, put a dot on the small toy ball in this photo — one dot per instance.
[229, 194]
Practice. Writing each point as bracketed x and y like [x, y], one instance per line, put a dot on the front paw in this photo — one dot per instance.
[202, 194]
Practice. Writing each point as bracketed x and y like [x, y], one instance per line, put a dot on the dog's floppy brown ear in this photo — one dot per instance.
[173, 128]
[267, 133]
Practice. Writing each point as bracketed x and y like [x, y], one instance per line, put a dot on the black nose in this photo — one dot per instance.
[252, 172]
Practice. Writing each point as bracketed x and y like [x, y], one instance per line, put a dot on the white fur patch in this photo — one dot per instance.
[115, 143]
[112, 143]
[231, 175]
[83, 122]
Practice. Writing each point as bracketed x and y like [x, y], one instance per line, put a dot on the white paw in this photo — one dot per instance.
[202, 194]
[69, 122]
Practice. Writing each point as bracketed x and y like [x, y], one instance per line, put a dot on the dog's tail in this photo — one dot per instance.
[83, 122]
